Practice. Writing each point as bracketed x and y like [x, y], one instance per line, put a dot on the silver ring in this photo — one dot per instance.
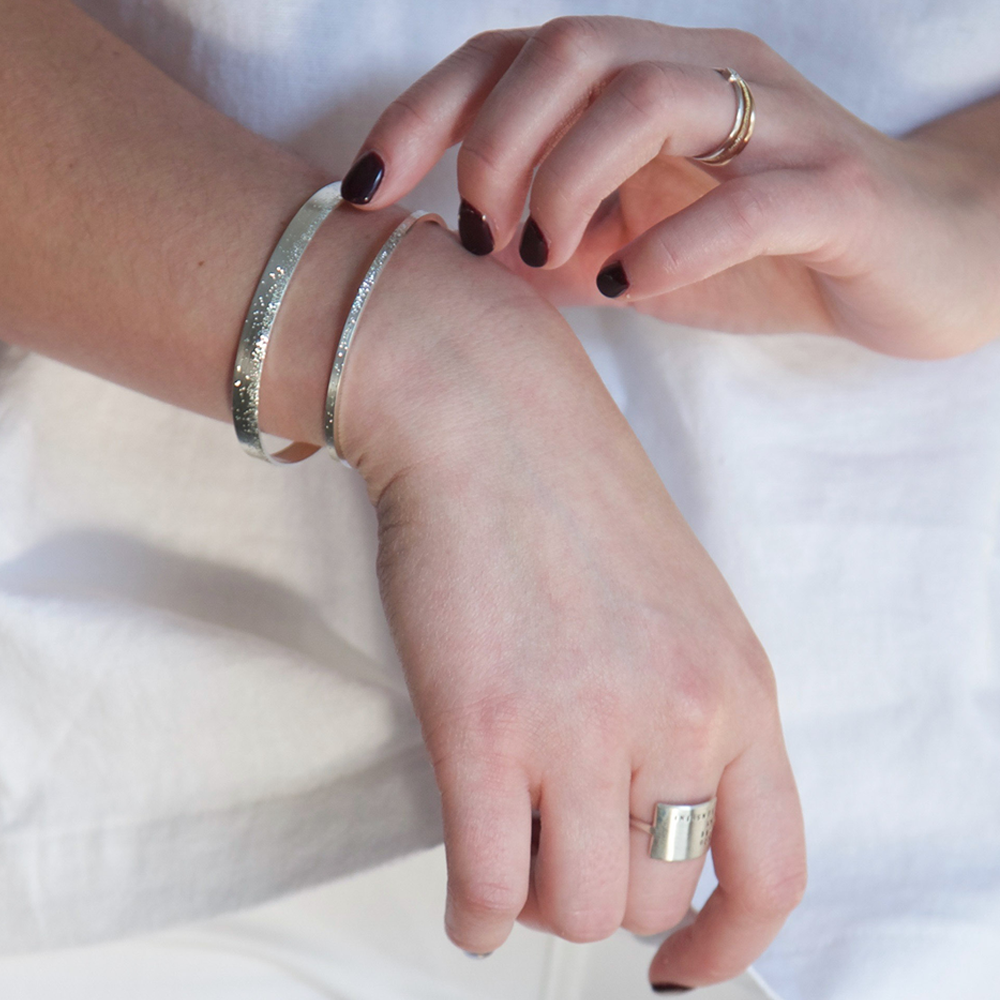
[679, 833]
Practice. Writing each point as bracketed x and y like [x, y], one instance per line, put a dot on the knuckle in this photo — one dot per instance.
[754, 44]
[565, 192]
[698, 701]
[569, 41]
[489, 46]
[483, 737]
[486, 43]
[773, 895]
[558, 192]
[480, 898]
[667, 257]
[462, 771]
[650, 86]
[663, 918]
[497, 719]
[744, 45]
[481, 154]
[404, 114]
[749, 211]
[586, 925]
[744, 656]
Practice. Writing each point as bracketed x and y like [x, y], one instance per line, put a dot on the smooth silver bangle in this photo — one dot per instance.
[353, 317]
[259, 323]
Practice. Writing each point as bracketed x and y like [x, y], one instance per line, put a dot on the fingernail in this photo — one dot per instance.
[476, 954]
[612, 281]
[363, 179]
[474, 230]
[671, 988]
[534, 246]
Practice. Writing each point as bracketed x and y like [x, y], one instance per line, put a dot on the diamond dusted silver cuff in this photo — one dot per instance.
[259, 322]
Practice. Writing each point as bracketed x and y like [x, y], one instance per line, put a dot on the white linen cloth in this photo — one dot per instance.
[199, 704]
[374, 936]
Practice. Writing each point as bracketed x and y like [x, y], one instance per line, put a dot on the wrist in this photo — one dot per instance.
[434, 357]
[451, 353]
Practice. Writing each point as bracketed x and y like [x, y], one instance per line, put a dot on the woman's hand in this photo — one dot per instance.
[822, 224]
[569, 646]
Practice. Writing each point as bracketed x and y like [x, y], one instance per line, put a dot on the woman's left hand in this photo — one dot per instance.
[823, 224]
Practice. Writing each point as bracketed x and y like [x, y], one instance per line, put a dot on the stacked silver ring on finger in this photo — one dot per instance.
[679, 832]
[742, 129]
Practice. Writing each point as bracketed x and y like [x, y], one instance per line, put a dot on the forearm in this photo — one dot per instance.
[136, 221]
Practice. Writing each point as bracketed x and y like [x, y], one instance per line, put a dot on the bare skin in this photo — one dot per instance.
[822, 224]
[568, 644]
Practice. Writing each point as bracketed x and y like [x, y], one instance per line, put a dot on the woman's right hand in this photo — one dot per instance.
[569, 646]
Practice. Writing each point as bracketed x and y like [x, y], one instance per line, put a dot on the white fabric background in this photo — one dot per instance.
[376, 936]
[199, 704]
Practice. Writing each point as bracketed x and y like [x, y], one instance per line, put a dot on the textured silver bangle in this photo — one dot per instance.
[354, 316]
[259, 323]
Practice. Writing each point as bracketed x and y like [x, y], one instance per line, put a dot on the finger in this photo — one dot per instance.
[581, 872]
[547, 86]
[648, 109]
[558, 73]
[487, 831]
[758, 849]
[659, 892]
[414, 131]
[775, 213]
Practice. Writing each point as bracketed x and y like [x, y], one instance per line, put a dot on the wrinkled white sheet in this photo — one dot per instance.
[377, 936]
[199, 704]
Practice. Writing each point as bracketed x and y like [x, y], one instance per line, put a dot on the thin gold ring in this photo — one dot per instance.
[739, 134]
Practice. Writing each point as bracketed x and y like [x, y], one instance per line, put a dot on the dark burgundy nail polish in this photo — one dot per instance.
[474, 230]
[612, 281]
[671, 988]
[534, 245]
[363, 179]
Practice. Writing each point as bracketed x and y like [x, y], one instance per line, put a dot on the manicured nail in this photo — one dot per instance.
[671, 988]
[475, 954]
[534, 245]
[363, 179]
[612, 281]
[474, 230]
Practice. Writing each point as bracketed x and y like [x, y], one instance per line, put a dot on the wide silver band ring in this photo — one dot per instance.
[678, 832]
